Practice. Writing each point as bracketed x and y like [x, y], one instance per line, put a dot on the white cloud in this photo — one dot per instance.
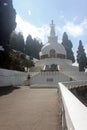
[29, 12]
[27, 28]
[84, 24]
[73, 29]
[42, 32]
[85, 47]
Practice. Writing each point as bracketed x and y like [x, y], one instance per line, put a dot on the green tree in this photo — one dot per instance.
[7, 25]
[37, 48]
[14, 40]
[15, 63]
[7, 21]
[81, 57]
[68, 47]
[32, 47]
[21, 44]
[19, 61]
[17, 41]
[29, 45]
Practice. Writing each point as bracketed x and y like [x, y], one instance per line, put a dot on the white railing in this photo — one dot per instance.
[10, 77]
[76, 75]
[75, 111]
[75, 84]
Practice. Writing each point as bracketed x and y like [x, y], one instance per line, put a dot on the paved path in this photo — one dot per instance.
[30, 109]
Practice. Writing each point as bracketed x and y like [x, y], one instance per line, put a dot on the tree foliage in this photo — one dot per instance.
[68, 47]
[7, 25]
[7, 20]
[32, 47]
[81, 57]
[17, 41]
[18, 61]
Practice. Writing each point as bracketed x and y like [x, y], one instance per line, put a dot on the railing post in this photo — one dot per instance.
[64, 127]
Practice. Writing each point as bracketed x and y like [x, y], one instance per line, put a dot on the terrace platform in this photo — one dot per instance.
[23, 108]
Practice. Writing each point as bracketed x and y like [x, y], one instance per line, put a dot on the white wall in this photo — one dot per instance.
[75, 111]
[76, 75]
[10, 77]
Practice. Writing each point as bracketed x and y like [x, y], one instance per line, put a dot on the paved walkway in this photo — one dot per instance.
[30, 109]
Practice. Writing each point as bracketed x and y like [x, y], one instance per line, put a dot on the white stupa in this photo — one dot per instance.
[53, 49]
[54, 53]
[53, 64]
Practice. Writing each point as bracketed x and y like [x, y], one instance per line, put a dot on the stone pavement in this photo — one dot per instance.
[30, 109]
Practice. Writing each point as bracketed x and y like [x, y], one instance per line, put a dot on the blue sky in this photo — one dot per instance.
[34, 17]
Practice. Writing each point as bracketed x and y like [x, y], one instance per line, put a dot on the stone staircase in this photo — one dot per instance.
[50, 79]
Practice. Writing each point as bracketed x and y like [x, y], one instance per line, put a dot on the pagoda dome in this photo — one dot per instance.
[58, 48]
[53, 49]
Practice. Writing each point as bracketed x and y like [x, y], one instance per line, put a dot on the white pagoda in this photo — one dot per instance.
[54, 53]
[53, 64]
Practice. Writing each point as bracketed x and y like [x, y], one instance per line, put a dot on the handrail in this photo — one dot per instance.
[75, 84]
[75, 111]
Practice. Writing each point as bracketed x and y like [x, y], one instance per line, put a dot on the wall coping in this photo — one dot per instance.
[75, 111]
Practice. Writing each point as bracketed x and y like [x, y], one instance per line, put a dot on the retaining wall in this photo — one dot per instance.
[10, 77]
